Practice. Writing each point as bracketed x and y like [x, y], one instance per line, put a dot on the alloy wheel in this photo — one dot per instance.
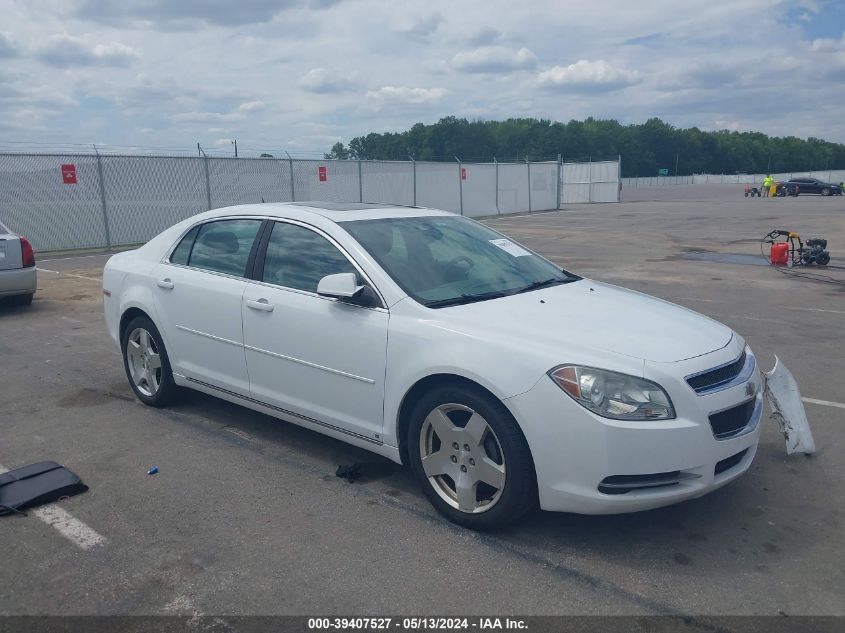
[462, 458]
[144, 361]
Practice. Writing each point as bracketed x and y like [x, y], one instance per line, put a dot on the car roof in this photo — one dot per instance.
[334, 211]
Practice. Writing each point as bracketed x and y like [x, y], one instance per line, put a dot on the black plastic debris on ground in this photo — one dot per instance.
[365, 472]
[349, 473]
[35, 485]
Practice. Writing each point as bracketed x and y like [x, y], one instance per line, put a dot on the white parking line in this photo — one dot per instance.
[824, 403]
[61, 259]
[817, 310]
[57, 272]
[67, 525]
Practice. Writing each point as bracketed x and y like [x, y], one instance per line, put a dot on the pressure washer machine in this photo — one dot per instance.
[792, 251]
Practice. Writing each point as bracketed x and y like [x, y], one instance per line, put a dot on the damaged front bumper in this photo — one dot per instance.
[784, 400]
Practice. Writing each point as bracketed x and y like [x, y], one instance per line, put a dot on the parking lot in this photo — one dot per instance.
[246, 515]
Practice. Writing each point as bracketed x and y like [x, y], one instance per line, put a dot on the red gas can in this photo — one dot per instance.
[779, 254]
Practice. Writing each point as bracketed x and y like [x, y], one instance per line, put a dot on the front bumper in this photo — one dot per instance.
[575, 451]
[18, 281]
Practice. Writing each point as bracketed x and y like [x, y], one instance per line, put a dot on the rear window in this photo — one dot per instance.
[224, 246]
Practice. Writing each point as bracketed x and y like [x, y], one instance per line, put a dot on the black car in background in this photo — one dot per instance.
[812, 185]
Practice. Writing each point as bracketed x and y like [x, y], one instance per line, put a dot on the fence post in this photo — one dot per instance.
[528, 165]
[103, 198]
[460, 184]
[360, 183]
[557, 182]
[207, 180]
[619, 172]
[414, 169]
[590, 178]
[292, 187]
[496, 163]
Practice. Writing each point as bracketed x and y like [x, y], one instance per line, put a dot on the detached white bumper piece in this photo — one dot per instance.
[784, 398]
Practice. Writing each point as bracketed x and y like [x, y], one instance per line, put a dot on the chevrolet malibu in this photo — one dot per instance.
[504, 382]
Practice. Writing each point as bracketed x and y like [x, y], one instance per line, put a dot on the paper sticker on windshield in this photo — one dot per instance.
[510, 248]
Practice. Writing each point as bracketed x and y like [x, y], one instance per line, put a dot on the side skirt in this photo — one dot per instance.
[361, 441]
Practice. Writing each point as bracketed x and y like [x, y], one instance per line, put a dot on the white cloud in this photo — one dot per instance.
[63, 51]
[828, 44]
[251, 106]
[404, 94]
[324, 81]
[493, 59]
[587, 75]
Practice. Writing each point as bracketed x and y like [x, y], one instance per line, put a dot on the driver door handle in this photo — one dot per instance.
[165, 283]
[261, 304]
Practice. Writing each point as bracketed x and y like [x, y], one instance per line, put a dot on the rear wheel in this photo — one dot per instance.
[146, 363]
[471, 458]
[21, 300]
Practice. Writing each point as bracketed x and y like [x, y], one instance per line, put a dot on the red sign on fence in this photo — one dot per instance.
[321, 172]
[463, 173]
[69, 174]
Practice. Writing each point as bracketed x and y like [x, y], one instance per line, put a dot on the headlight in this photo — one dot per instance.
[614, 395]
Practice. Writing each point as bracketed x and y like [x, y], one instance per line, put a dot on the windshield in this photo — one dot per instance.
[450, 260]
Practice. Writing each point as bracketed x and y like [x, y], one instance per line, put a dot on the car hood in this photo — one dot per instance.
[599, 316]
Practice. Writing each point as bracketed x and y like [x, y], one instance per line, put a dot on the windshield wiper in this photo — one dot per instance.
[465, 298]
[543, 284]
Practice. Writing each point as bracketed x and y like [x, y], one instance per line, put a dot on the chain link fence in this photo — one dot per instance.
[831, 176]
[78, 201]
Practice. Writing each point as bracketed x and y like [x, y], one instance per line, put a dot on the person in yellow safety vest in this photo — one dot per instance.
[767, 183]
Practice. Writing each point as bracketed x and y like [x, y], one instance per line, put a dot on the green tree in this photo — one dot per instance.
[338, 151]
[645, 147]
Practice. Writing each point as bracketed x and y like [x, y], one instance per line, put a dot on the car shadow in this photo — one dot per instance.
[748, 525]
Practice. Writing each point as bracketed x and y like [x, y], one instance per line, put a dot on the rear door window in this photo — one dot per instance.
[182, 252]
[223, 246]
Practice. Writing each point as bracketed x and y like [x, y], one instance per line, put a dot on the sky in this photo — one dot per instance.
[300, 75]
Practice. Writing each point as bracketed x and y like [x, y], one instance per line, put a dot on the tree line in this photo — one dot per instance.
[645, 147]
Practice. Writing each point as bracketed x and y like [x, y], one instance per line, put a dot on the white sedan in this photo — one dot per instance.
[18, 278]
[503, 381]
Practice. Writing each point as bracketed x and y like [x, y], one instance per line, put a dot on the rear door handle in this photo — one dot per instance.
[165, 283]
[261, 304]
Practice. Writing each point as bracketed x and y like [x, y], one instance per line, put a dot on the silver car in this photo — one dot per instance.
[17, 268]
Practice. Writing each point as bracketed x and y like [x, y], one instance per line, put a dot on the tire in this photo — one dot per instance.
[147, 366]
[823, 259]
[21, 300]
[498, 452]
[825, 191]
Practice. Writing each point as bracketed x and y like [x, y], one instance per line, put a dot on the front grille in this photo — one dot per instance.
[729, 462]
[718, 376]
[731, 421]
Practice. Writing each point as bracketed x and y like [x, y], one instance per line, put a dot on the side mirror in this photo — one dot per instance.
[339, 286]
[344, 286]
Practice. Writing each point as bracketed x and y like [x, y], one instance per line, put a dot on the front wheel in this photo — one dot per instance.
[825, 191]
[146, 363]
[471, 458]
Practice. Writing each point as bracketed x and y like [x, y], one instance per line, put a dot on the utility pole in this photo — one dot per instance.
[677, 156]
[235, 141]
